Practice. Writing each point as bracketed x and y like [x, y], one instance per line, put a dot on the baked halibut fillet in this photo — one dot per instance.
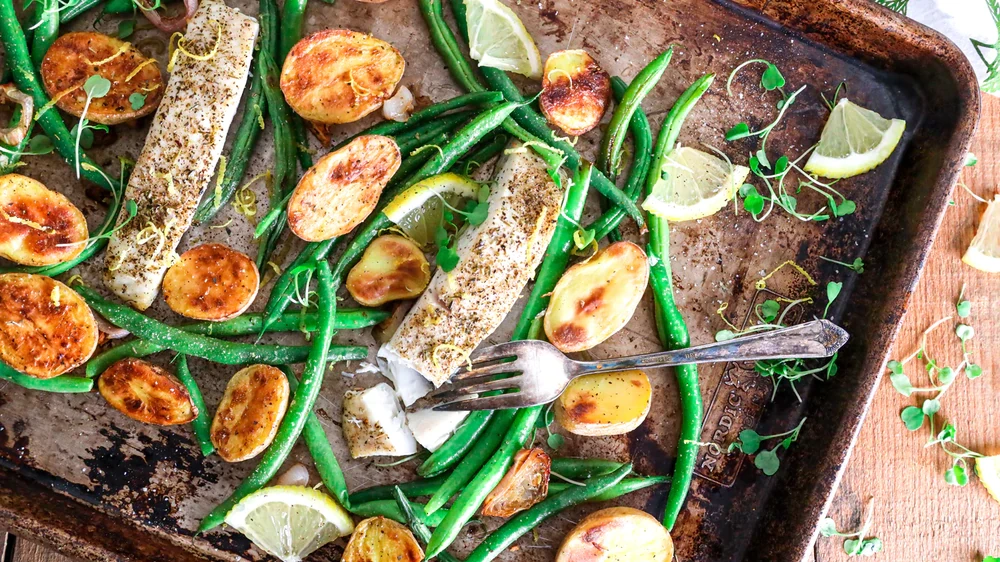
[182, 149]
[461, 308]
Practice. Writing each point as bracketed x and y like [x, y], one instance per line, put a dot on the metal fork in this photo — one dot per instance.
[545, 371]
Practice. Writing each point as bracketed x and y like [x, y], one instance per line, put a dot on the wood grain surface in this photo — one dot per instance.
[917, 515]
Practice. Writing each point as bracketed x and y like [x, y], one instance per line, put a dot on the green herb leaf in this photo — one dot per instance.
[126, 28]
[863, 547]
[40, 144]
[137, 100]
[931, 406]
[749, 441]
[97, 86]
[447, 258]
[828, 527]
[973, 371]
[946, 375]
[772, 78]
[964, 332]
[895, 367]
[583, 238]
[991, 559]
[762, 158]
[724, 335]
[947, 433]
[781, 166]
[131, 208]
[769, 310]
[741, 130]
[970, 159]
[754, 204]
[901, 383]
[555, 441]
[845, 208]
[964, 309]
[767, 461]
[747, 189]
[477, 215]
[956, 476]
[912, 417]
[833, 290]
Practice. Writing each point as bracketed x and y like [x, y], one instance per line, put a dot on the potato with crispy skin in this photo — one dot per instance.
[76, 56]
[575, 91]
[146, 393]
[342, 189]
[596, 298]
[378, 539]
[339, 76]
[524, 485]
[46, 329]
[250, 412]
[392, 268]
[605, 403]
[617, 534]
[38, 226]
[211, 282]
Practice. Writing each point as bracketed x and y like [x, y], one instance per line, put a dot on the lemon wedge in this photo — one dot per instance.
[419, 210]
[498, 39]
[854, 141]
[984, 252]
[693, 184]
[988, 470]
[289, 522]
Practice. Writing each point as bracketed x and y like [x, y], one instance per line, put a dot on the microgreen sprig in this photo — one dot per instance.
[858, 543]
[749, 442]
[857, 266]
[96, 87]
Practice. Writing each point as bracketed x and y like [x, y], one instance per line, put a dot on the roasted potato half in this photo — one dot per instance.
[575, 91]
[341, 190]
[249, 413]
[378, 539]
[46, 329]
[524, 485]
[146, 393]
[211, 282]
[617, 534]
[604, 404]
[339, 76]
[76, 56]
[392, 268]
[596, 298]
[38, 226]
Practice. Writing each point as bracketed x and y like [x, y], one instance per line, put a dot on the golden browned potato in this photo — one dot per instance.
[211, 282]
[341, 190]
[146, 393]
[38, 226]
[378, 539]
[392, 268]
[136, 82]
[250, 412]
[524, 485]
[617, 534]
[604, 404]
[596, 298]
[46, 329]
[575, 91]
[339, 76]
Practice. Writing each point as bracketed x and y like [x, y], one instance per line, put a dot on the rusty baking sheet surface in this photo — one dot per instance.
[78, 475]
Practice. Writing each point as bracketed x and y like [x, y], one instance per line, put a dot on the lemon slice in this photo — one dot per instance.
[498, 39]
[419, 210]
[988, 470]
[693, 184]
[289, 522]
[854, 141]
[984, 252]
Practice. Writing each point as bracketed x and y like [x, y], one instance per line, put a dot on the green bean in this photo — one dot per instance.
[471, 463]
[46, 29]
[642, 143]
[410, 141]
[626, 486]
[292, 14]
[533, 123]
[580, 469]
[61, 384]
[286, 286]
[201, 424]
[218, 351]
[525, 521]
[427, 114]
[299, 408]
[483, 154]
[515, 433]
[16, 50]
[391, 510]
[469, 434]
[319, 449]
[644, 82]
[414, 488]
[416, 522]
[347, 319]
[69, 13]
[247, 134]
[669, 321]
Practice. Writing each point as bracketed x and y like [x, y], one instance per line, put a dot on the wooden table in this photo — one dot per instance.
[917, 515]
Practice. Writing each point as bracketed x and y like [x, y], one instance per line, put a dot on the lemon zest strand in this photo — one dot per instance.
[223, 225]
[125, 46]
[179, 47]
[218, 181]
[446, 346]
[138, 68]
[762, 283]
[720, 311]
[55, 99]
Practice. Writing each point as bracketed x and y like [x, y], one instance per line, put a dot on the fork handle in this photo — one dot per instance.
[819, 338]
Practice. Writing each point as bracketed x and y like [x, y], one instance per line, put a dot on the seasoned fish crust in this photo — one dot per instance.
[182, 148]
[461, 308]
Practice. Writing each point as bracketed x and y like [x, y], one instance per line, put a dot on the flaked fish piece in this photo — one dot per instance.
[461, 308]
[182, 149]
